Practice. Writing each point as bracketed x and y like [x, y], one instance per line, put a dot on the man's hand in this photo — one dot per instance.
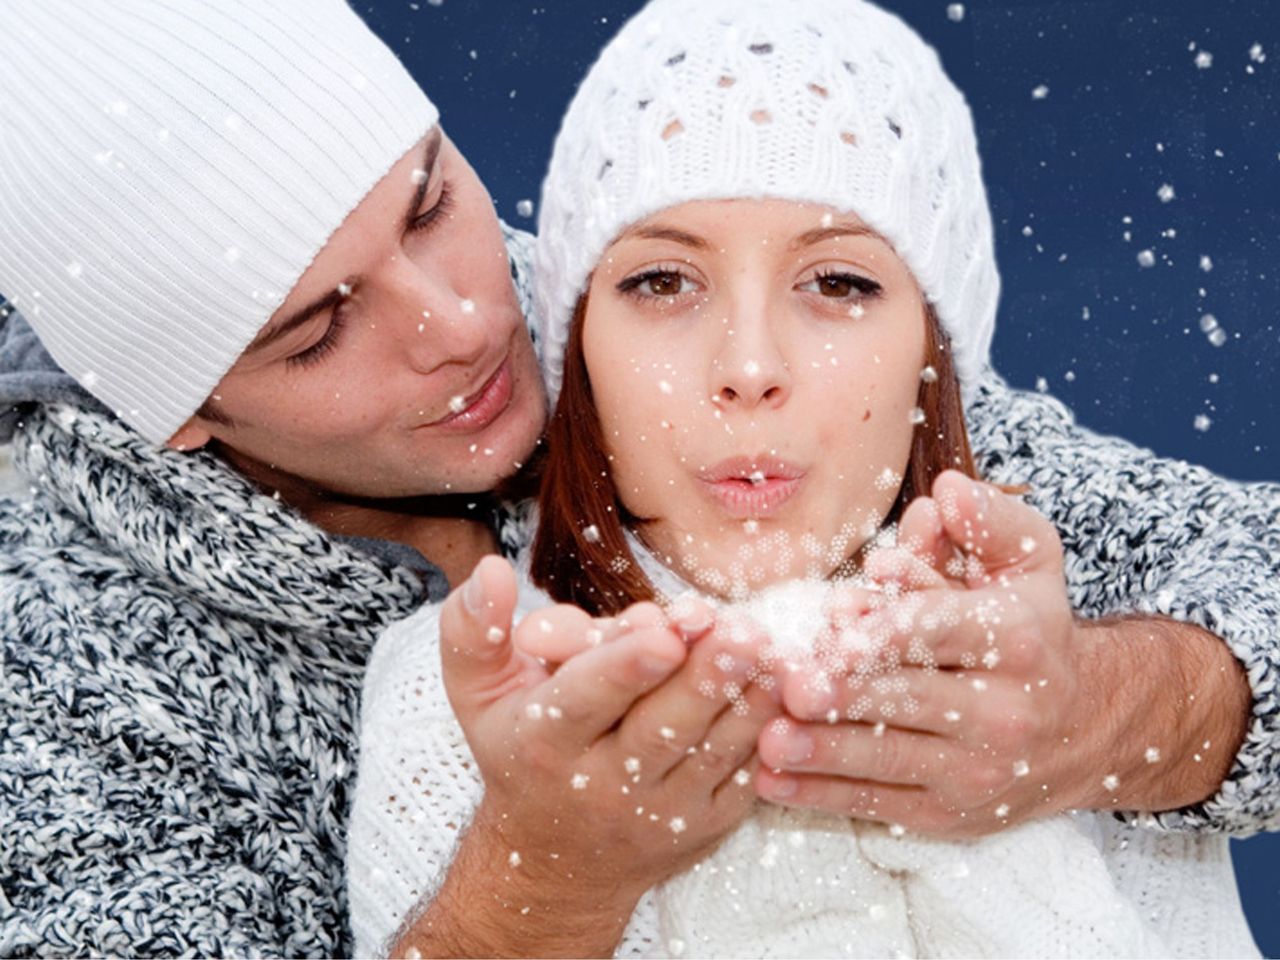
[1000, 706]
[621, 768]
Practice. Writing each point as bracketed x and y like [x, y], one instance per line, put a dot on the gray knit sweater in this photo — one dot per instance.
[182, 659]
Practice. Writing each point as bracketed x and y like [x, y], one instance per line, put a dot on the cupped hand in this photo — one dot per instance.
[620, 768]
[955, 714]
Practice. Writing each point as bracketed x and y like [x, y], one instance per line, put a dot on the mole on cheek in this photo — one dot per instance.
[866, 415]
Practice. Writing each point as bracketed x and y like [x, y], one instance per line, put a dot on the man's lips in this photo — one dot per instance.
[482, 407]
[749, 487]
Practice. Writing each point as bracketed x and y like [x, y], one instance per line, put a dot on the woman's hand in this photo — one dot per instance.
[618, 770]
[962, 721]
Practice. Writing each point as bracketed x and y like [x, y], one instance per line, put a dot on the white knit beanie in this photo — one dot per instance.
[832, 102]
[168, 170]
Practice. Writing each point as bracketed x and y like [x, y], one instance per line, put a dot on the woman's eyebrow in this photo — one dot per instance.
[833, 232]
[658, 232]
[429, 155]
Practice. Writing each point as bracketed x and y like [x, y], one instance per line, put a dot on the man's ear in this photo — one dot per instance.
[192, 435]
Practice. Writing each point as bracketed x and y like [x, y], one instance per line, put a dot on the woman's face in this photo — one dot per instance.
[755, 364]
[400, 364]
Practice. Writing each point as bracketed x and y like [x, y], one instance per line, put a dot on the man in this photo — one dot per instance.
[242, 232]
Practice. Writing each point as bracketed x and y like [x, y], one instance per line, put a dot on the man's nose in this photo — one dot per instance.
[433, 322]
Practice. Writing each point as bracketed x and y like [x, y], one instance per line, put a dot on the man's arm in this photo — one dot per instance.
[993, 703]
[1169, 708]
[1146, 537]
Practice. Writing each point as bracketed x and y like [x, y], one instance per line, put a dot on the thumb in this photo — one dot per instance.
[475, 635]
[997, 532]
[920, 530]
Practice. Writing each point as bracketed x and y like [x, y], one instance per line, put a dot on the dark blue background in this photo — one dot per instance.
[1127, 111]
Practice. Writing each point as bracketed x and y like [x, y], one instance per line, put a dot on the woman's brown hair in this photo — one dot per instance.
[580, 553]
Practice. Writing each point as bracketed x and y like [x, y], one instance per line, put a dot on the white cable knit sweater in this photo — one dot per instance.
[794, 883]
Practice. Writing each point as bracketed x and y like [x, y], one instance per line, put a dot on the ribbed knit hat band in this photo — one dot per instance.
[833, 102]
[169, 170]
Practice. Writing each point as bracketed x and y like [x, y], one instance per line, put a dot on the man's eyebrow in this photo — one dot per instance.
[423, 175]
[430, 152]
[659, 232]
[833, 232]
[273, 333]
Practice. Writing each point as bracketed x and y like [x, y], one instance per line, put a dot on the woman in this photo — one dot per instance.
[742, 379]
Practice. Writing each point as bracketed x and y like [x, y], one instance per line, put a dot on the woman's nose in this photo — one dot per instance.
[751, 369]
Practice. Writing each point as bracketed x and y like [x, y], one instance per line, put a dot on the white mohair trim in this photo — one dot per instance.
[169, 170]
[831, 102]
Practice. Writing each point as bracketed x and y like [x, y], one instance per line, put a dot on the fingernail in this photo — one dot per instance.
[473, 594]
[799, 748]
[656, 666]
[691, 615]
[783, 787]
[818, 696]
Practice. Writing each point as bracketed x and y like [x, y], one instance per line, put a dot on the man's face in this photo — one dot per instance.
[400, 364]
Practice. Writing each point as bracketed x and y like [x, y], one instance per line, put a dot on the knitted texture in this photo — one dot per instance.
[182, 658]
[1202, 551]
[833, 103]
[1146, 535]
[169, 170]
[181, 661]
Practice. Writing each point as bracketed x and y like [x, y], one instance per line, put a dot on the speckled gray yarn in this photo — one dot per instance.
[1144, 534]
[182, 662]
[182, 659]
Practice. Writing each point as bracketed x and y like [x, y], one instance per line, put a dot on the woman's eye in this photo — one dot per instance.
[665, 284]
[841, 286]
[658, 283]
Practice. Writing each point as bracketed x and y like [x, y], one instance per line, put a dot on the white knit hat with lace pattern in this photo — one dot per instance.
[832, 102]
[169, 169]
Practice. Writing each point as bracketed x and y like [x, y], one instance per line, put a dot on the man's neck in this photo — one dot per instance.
[453, 532]
[453, 541]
